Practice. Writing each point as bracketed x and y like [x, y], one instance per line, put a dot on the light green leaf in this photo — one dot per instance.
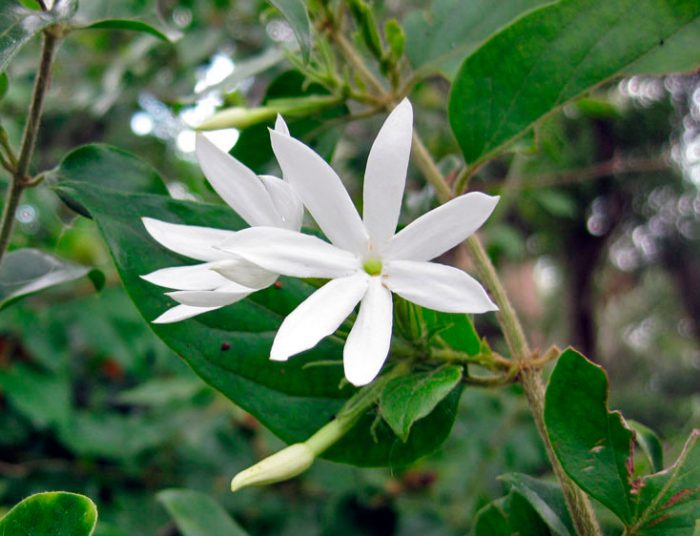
[131, 25]
[552, 55]
[55, 513]
[668, 502]
[96, 164]
[439, 38]
[592, 443]
[546, 499]
[19, 24]
[26, 271]
[229, 348]
[197, 514]
[298, 18]
[650, 443]
[409, 398]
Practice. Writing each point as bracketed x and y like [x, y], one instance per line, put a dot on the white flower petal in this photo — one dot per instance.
[437, 286]
[318, 316]
[321, 191]
[291, 253]
[181, 312]
[385, 175]
[236, 184]
[442, 228]
[189, 240]
[197, 277]
[286, 201]
[367, 346]
[225, 295]
[281, 126]
[245, 273]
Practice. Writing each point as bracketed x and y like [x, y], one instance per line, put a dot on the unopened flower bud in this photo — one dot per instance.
[283, 465]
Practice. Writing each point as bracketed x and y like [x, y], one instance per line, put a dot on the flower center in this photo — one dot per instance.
[373, 266]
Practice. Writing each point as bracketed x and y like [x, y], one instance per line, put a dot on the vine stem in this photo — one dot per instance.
[19, 180]
[578, 503]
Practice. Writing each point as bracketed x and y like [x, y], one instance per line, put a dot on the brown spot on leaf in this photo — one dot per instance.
[225, 346]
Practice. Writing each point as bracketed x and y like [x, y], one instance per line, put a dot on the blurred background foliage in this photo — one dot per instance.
[597, 235]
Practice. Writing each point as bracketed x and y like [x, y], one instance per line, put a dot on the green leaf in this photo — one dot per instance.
[26, 271]
[552, 55]
[197, 514]
[509, 515]
[131, 25]
[19, 24]
[452, 330]
[162, 392]
[229, 348]
[55, 513]
[409, 398]
[546, 499]
[439, 38]
[298, 18]
[669, 501]
[96, 164]
[592, 443]
[650, 443]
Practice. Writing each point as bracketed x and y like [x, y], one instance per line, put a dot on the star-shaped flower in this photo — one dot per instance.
[365, 260]
[263, 200]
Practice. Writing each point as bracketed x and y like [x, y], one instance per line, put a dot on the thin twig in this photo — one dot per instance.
[19, 178]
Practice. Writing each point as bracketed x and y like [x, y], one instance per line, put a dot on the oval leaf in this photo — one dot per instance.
[409, 398]
[298, 18]
[55, 513]
[552, 55]
[592, 443]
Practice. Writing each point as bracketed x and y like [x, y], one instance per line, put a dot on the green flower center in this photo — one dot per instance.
[373, 266]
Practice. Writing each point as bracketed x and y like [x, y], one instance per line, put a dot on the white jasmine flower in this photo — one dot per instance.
[263, 200]
[365, 260]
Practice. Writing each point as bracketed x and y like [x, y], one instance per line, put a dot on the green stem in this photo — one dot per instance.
[578, 503]
[352, 412]
[19, 180]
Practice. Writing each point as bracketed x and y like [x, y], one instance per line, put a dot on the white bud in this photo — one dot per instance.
[283, 465]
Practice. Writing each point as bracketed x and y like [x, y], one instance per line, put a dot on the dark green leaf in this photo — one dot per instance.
[452, 330]
[298, 18]
[510, 515]
[546, 499]
[197, 514]
[26, 271]
[439, 38]
[55, 513]
[650, 443]
[552, 55]
[668, 502]
[126, 24]
[96, 164]
[592, 443]
[409, 398]
[230, 348]
[19, 24]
